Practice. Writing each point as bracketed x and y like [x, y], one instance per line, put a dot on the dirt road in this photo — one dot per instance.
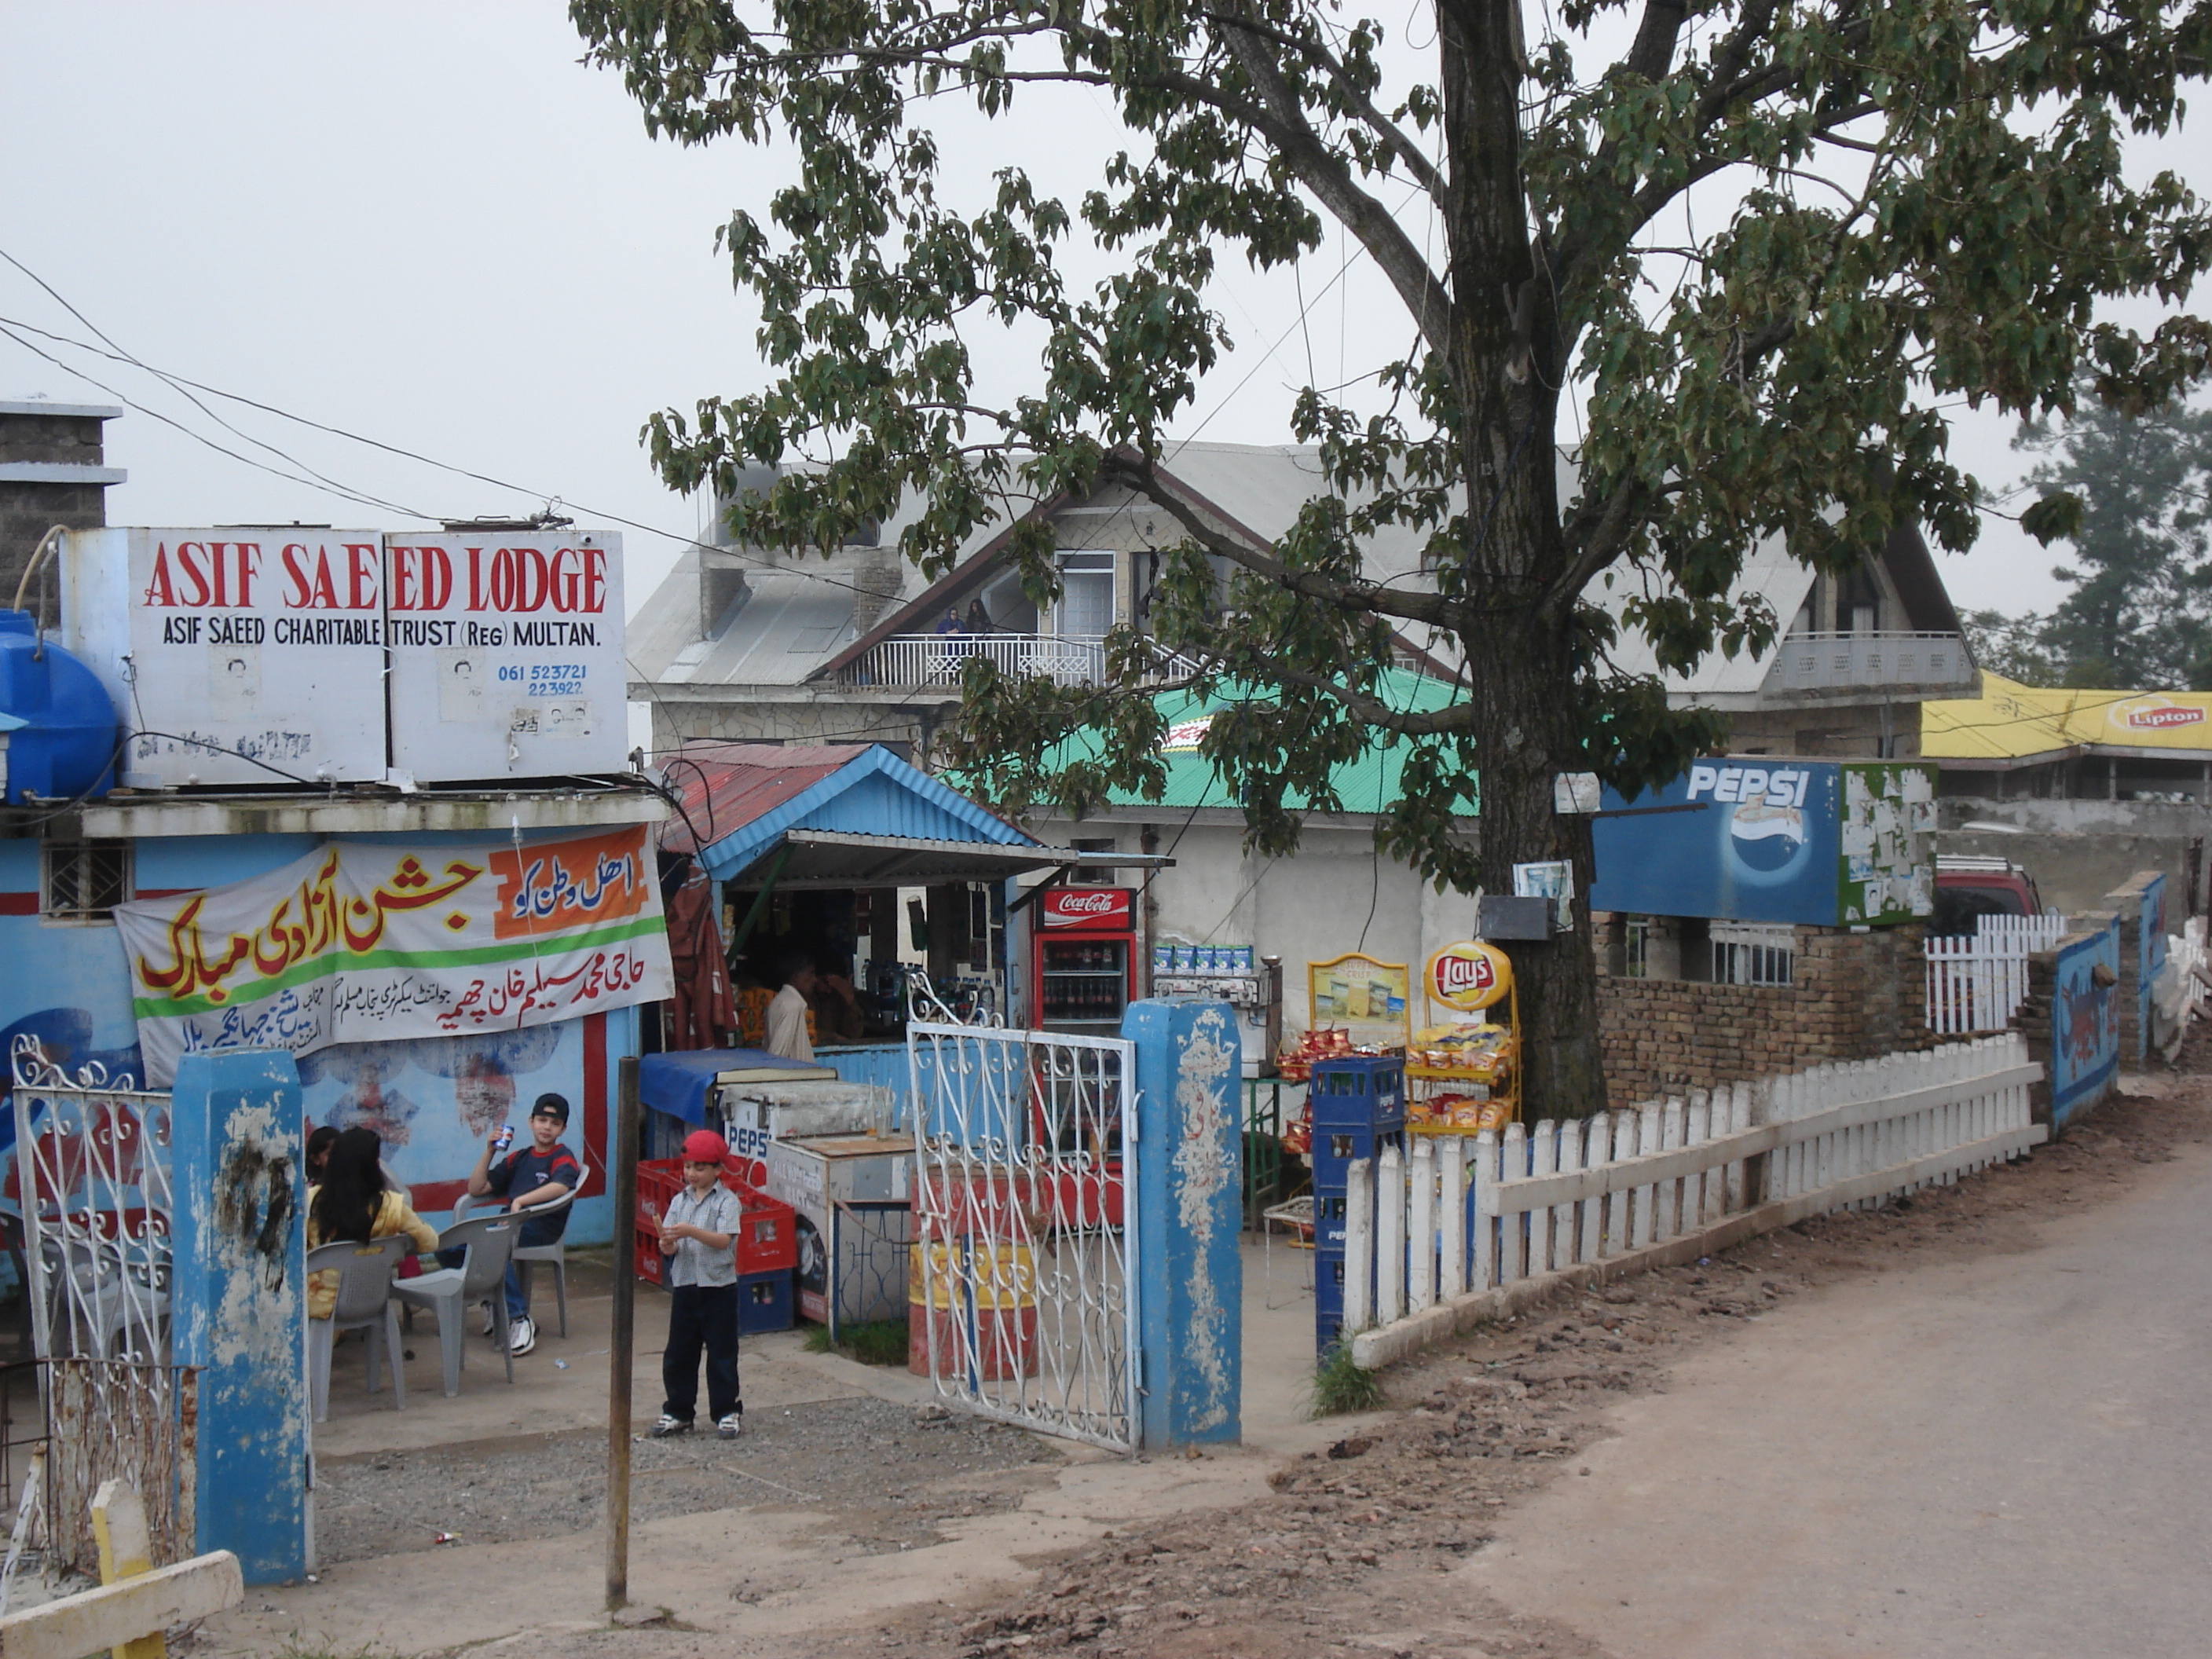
[1971, 1423]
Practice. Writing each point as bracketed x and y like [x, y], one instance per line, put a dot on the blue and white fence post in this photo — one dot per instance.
[1189, 1215]
[238, 1302]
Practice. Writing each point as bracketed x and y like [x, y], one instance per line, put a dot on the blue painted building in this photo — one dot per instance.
[63, 977]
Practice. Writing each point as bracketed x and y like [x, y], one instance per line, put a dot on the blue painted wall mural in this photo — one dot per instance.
[2085, 1017]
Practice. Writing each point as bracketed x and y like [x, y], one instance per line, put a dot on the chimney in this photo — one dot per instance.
[53, 471]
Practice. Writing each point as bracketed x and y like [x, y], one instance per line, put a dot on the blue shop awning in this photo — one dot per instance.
[681, 1083]
[836, 815]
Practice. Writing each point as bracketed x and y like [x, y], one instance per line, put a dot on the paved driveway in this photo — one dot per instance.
[2009, 1456]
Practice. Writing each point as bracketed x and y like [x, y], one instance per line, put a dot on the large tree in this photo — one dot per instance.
[1912, 204]
[2131, 493]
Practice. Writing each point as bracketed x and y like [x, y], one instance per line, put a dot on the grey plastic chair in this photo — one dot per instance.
[555, 1253]
[450, 1292]
[364, 1303]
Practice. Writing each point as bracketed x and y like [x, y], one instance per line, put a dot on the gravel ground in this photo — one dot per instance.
[1354, 1550]
[888, 1473]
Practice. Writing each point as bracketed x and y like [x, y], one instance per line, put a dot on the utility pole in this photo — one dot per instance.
[623, 1338]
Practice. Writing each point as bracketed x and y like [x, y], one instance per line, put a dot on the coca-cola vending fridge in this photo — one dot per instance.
[1085, 959]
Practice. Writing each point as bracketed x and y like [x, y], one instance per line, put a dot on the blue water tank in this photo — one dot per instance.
[66, 744]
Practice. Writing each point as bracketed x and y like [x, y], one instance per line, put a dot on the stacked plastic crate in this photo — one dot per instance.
[1358, 1103]
[767, 1245]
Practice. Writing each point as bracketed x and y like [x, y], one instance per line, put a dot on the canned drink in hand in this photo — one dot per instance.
[504, 1139]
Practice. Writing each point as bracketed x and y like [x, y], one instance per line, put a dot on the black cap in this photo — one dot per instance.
[552, 1106]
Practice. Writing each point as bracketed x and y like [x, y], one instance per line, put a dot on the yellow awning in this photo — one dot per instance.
[2008, 721]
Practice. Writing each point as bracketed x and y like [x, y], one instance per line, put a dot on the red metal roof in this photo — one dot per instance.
[725, 785]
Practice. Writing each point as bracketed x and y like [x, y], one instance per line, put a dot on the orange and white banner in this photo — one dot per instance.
[358, 943]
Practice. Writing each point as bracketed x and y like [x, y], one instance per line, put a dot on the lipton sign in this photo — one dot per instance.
[1468, 975]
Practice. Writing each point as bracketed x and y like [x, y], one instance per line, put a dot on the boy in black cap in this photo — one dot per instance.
[540, 1173]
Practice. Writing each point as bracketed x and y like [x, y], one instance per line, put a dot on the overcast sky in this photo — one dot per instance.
[430, 224]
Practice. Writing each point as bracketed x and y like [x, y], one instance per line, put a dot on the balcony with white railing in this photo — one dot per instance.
[917, 661]
[1845, 662]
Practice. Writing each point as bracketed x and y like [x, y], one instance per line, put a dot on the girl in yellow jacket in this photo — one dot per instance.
[353, 1202]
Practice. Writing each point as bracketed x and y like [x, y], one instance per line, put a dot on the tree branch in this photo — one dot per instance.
[1434, 609]
[1328, 177]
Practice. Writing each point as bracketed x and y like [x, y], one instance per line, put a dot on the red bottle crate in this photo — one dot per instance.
[767, 1228]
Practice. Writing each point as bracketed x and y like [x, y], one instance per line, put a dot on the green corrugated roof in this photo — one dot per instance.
[1366, 785]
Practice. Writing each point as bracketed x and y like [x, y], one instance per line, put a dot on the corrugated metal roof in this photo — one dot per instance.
[1368, 785]
[743, 797]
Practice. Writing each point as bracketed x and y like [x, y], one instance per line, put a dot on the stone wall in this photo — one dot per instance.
[1855, 996]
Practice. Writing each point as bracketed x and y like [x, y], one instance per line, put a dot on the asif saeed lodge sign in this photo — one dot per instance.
[269, 656]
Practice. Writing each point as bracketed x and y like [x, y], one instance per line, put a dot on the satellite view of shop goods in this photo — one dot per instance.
[506, 653]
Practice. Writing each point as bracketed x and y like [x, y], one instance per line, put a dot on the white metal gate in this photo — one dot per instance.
[91, 1168]
[1024, 1258]
[93, 1178]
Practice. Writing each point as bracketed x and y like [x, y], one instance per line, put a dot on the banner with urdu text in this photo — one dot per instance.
[357, 943]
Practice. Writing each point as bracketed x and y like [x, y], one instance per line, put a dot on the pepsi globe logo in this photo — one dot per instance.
[1766, 839]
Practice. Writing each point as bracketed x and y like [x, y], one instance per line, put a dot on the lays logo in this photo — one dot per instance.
[1468, 975]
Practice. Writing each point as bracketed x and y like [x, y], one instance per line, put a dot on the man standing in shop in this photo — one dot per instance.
[787, 1012]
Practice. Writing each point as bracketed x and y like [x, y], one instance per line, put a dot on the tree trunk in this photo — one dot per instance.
[1525, 727]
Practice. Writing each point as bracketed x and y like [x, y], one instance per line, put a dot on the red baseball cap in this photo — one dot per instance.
[705, 1146]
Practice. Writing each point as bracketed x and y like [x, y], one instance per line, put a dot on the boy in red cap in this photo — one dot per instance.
[699, 1235]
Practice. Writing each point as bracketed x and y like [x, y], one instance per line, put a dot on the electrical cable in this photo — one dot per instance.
[174, 385]
[132, 402]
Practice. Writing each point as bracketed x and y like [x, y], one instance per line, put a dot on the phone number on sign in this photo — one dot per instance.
[564, 679]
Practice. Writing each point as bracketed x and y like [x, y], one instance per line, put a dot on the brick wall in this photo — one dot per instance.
[28, 511]
[1855, 996]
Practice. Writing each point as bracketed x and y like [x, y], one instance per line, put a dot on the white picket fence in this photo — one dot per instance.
[1450, 1233]
[1975, 984]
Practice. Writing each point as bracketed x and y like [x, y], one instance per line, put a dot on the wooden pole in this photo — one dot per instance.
[623, 1337]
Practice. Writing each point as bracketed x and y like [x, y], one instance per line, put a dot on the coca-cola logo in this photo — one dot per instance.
[1072, 907]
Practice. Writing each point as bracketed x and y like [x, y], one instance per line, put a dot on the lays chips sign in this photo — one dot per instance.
[1468, 975]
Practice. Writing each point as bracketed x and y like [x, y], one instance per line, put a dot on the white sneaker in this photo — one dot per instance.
[731, 1426]
[522, 1335]
[668, 1426]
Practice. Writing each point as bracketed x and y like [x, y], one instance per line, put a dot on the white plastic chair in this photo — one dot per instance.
[555, 1253]
[364, 1303]
[450, 1292]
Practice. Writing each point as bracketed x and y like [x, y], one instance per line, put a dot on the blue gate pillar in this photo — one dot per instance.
[237, 1298]
[1190, 1212]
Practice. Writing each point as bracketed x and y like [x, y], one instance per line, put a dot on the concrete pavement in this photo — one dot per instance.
[2009, 1456]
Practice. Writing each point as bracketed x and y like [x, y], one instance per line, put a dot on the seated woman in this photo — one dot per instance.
[353, 1202]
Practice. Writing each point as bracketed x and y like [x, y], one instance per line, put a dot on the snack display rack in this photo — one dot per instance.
[1464, 1076]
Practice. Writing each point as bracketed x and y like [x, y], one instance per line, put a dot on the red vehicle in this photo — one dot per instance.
[1967, 886]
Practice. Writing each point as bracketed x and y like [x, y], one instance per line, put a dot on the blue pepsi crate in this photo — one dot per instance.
[764, 1302]
[1328, 1219]
[1358, 1094]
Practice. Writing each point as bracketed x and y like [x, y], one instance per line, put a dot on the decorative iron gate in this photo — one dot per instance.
[1024, 1266]
[93, 1174]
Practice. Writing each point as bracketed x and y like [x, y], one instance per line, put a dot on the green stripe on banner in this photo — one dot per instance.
[331, 964]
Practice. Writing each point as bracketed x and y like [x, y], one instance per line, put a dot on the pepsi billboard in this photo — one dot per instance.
[1826, 843]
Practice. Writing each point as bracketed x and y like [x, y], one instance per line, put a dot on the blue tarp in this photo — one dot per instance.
[679, 1083]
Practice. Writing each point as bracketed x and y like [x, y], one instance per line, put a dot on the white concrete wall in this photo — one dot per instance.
[1305, 909]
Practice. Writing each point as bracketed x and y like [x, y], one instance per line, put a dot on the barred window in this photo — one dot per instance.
[84, 880]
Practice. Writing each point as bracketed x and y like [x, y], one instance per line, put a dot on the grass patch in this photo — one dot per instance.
[1340, 1387]
[872, 1342]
